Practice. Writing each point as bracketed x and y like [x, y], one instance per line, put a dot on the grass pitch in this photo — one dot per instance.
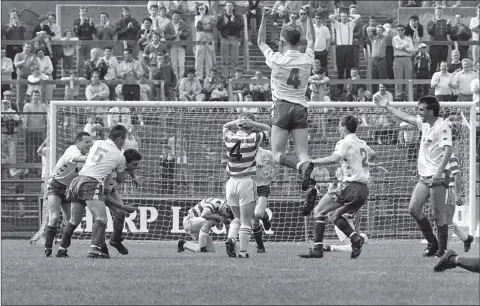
[387, 272]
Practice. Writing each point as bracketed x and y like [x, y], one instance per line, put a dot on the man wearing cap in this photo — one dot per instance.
[421, 66]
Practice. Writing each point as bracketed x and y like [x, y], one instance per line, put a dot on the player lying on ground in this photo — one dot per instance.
[290, 73]
[241, 189]
[353, 154]
[199, 221]
[451, 260]
[434, 154]
[65, 171]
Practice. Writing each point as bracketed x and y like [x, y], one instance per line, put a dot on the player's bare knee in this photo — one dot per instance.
[259, 214]
[103, 219]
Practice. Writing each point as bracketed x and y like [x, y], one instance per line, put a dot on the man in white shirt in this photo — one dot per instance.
[434, 155]
[475, 27]
[402, 64]
[462, 81]
[322, 41]
[442, 83]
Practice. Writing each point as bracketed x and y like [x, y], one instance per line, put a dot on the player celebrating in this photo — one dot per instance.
[64, 172]
[241, 190]
[199, 222]
[289, 82]
[353, 155]
[86, 190]
[435, 152]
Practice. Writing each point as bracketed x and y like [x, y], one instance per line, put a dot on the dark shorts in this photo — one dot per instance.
[84, 188]
[353, 195]
[263, 191]
[57, 189]
[289, 116]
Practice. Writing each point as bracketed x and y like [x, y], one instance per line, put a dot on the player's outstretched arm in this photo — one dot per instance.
[332, 159]
[310, 35]
[262, 32]
[396, 112]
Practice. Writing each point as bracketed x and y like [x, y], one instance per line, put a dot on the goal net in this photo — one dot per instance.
[184, 161]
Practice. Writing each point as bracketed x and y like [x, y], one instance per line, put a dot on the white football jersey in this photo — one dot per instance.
[434, 138]
[290, 73]
[355, 154]
[103, 158]
[266, 167]
[66, 169]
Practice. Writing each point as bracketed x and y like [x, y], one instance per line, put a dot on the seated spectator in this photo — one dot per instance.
[72, 88]
[97, 91]
[105, 30]
[247, 98]
[219, 93]
[152, 49]
[259, 92]
[177, 30]
[112, 69]
[190, 88]
[164, 72]
[131, 72]
[421, 67]
[34, 80]
[456, 65]
[461, 81]
[145, 35]
[319, 85]
[239, 90]
[209, 83]
[68, 51]
[119, 115]
[96, 62]
[45, 65]
[10, 126]
[355, 76]
[361, 95]
[442, 83]
[7, 69]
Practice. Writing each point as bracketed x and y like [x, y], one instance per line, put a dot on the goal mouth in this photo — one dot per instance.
[183, 162]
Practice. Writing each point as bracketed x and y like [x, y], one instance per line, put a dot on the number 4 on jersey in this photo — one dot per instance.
[235, 151]
[294, 78]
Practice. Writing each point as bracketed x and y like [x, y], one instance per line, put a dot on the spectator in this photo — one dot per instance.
[475, 87]
[7, 69]
[204, 52]
[23, 62]
[68, 51]
[219, 93]
[112, 69]
[164, 72]
[34, 81]
[96, 62]
[411, 136]
[460, 32]
[183, 7]
[293, 23]
[367, 45]
[402, 64]
[456, 64]
[84, 28]
[119, 115]
[57, 50]
[97, 91]
[35, 125]
[378, 62]
[163, 21]
[72, 88]
[44, 26]
[358, 95]
[145, 35]
[344, 45]
[131, 71]
[461, 81]
[94, 126]
[152, 49]
[153, 10]
[190, 88]
[389, 33]
[10, 123]
[253, 11]
[319, 86]
[45, 65]
[14, 30]
[422, 69]
[132, 141]
[414, 30]
[105, 30]
[8, 95]
[279, 14]
[355, 76]
[442, 83]
[357, 33]
[127, 28]
[209, 83]
[230, 26]
[259, 92]
[302, 22]
[409, 3]
[475, 28]
[383, 136]
[322, 41]
[54, 27]
[239, 90]
[177, 30]
[438, 28]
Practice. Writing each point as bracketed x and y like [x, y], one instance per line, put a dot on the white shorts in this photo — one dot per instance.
[241, 191]
[192, 225]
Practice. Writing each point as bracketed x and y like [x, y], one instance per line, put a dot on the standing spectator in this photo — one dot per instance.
[153, 10]
[23, 62]
[84, 28]
[209, 83]
[461, 32]
[54, 27]
[253, 11]
[42, 41]
[230, 26]
[442, 83]
[438, 28]
[57, 50]
[35, 126]
[177, 30]
[461, 81]
[152, 49]
[190, 88]
[145, 35]
[344, 45]
[302, 22]
[96, 90]
[7, 69]
[279, 14]
[259, 92]
[422, 69]
[10, 123]
[164, 72]
[105, 30]
[14, 30]
[130, 71]
[127, 28]
[293, 23]
[204, 51]
[456, 64]
[390, 33]
[322, 41]
[219, 93]
[382, 136]
[68, 52]
[357, 33]
[96, 62]
[34, 81]
[414, 30]
[112, 69]
[367, 47]
[378, 62]
[239, 90]
[475, 28]
[45, 66]
[163, 21]
[402, 64]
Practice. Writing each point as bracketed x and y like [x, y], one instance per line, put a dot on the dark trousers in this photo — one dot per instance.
[463, 51]
[422, 89]
[379, 71]
[344, 63]
[33, 140]
[437, 55]
[322, 56]
[258, 96]
[389, 57]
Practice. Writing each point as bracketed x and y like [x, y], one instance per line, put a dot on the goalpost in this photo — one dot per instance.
[183, 162]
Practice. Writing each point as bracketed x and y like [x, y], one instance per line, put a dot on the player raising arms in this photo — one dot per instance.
[353, 154]
[289, 81]
[86, 190]
[435, 152]
[241, 189]
[199, 222]
[64, 172]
